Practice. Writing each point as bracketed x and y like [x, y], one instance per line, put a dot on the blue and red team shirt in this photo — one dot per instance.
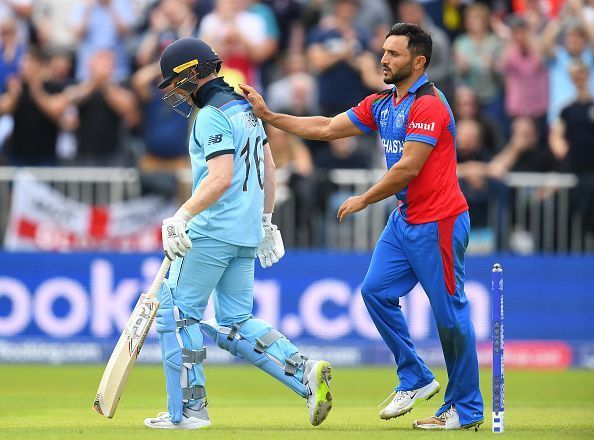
[422, 115]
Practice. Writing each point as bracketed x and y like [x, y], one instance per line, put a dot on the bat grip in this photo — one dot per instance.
[160, 277]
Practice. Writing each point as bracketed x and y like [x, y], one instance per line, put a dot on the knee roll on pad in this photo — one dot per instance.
[257, 342]
[183, 352]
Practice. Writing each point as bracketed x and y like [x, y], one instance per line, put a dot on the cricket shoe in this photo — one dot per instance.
[317, 377]
[191, 419]
[447, 420]
[404, 401]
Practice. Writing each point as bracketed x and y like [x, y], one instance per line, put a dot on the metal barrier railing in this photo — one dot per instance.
[536, 204]
[542, 208]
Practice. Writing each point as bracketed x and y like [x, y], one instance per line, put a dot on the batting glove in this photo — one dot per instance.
[271, 248]
[175, 239]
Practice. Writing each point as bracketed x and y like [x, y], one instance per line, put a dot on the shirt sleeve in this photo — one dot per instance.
[426, 120]
[213, 133]
[125, 12]
[77, 14]
[252, 27]
[272, 30]
[362, 116]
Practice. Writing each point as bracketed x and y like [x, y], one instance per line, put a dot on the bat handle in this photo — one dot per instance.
[160, 277]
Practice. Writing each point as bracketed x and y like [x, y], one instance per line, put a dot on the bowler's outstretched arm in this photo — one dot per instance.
[308, 127]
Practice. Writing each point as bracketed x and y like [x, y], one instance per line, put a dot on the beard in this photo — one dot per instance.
[400, 75]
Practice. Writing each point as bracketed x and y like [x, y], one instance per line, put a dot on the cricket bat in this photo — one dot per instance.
[128, 347]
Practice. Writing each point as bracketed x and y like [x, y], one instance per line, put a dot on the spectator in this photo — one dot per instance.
[141, 8]
[37, 106]
[572, 134]
[19, 12]
[237, 35]
[535, 15]
[342, 154]
[475, 59]
[52, 20]
[292, 156]
[472, 170]
[60, 66]
[335, 48]
[164, 133]
[312, 14]
[288, 18]
[577, 40]
[168, 21]
[270, 45]
[572, 142]
[269, 48]
[523, 152]
[589, 12]
[102, 25]
[296, 92]
[105, 109]
[412, 12]
[59, 72]
[469, 147]
[434, 10]
[201, 8]
[526, 76]
[466, 107]
[374, 15]
[452, 17]
[11, 52]
[289, 152]
[370, 15]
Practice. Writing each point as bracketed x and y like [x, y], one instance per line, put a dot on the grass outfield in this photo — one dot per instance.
[54, 402]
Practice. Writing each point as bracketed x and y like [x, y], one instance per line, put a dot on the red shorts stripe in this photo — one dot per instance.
[446, 229]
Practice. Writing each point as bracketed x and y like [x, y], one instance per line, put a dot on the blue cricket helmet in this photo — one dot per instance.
[185, 53]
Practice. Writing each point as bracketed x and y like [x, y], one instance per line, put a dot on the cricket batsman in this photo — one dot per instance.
[213, 240]
[425, 238]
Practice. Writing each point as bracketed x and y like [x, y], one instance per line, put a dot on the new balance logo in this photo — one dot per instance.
[215, 139]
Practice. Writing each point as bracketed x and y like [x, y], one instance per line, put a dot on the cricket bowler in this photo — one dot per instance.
[213, 240]
[425, 238]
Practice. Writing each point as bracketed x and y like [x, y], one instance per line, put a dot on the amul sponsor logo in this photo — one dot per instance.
[421, 126]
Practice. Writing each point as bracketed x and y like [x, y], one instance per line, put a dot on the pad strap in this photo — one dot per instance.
[234, 329]
[193, 356]
[186, 322]
[194, 393]
[292, 363]
[267, 340]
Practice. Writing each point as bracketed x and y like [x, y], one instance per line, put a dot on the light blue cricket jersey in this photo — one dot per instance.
[226, 125]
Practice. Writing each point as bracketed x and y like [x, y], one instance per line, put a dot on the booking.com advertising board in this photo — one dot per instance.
[57, 308]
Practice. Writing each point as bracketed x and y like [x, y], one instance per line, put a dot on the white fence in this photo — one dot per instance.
[532, 207]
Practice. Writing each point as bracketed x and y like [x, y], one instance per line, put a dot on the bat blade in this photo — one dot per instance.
[124, 356]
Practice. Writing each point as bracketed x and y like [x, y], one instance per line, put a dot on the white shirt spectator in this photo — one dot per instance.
[52, 19]
[7, 10]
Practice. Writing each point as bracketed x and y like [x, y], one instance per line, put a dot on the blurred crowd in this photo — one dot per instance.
[78, 81]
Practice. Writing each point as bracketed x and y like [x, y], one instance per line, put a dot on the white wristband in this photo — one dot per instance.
[183, 214]
[267, 218]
